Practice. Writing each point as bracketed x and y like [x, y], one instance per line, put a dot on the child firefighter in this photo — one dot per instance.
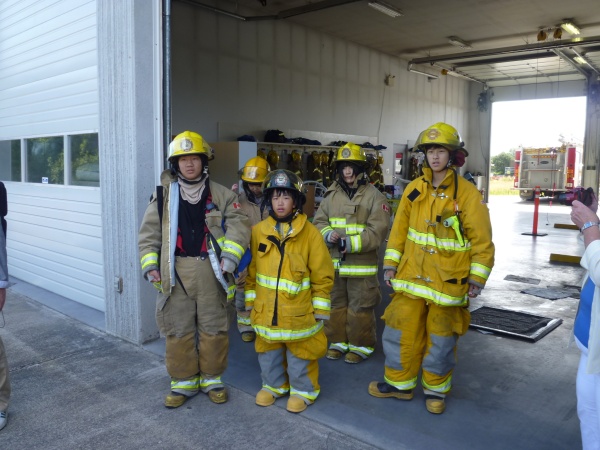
[287, 289]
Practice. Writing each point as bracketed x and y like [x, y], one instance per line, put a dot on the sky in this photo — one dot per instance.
[537, 123]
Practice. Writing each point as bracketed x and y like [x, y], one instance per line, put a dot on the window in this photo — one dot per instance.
[45, 160]
[67, 159]
[10, 160]
[84, 160]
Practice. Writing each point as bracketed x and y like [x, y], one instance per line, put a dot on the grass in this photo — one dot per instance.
[500, 185]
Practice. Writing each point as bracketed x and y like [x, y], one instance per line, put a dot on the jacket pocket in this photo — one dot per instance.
[214, 222]
[297, 267]
[297, 317]
[455, 281]
[256, 313]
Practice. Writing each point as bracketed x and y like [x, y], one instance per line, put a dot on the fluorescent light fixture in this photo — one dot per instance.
[580, 59]
[458, 42]
[386, 9]
[428, 75]
[570, 27]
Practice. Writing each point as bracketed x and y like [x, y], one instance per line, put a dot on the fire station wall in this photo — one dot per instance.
[278, 75]
[48, 87]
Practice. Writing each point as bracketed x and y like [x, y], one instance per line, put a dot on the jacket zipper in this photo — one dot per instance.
[281, 246]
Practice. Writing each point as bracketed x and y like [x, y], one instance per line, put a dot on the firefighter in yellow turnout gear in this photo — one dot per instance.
[253, 174]
[287, 290]
[439, 254]
[189, 249]
[353, 219]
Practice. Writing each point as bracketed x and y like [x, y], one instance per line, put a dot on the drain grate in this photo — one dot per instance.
[513, 323]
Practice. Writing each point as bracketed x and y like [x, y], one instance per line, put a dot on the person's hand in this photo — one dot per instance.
[474, 291]
[581, 214]
[227, 265]
[153, 276]
[388, 275]
[333, 237]
[2, 297]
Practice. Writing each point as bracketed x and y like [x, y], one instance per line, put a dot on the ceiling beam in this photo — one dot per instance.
[538, 46]
[504, 59]
[284, 14]
[561, 54]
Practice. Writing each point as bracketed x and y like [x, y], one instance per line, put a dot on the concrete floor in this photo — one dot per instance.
[508, 393]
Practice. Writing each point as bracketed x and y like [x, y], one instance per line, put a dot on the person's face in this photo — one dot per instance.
[348, 174]
[256, 189]
[282, 203]
[437, 158]
[190, 166]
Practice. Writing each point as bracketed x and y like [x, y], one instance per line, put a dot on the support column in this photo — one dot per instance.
[591, 158]
[129, 140]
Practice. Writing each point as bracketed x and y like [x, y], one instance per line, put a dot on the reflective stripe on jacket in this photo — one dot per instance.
[431, 261]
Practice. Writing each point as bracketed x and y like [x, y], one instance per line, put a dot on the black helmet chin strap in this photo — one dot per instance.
[456, 210]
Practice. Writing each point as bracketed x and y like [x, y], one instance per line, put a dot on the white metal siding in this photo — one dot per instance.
[49, 86]
[55, 240]
[48, 67]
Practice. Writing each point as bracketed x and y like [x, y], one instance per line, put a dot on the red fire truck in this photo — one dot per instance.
[553, 169]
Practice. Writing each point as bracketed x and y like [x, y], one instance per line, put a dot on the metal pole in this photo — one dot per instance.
[535, 215]
[166, 76]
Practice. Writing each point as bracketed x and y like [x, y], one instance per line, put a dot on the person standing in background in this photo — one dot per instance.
[253, 174]
[353, 219]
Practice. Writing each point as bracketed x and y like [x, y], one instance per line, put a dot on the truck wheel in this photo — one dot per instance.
[526, 195]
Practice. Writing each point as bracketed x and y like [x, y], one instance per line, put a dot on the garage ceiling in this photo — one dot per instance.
[502, 34]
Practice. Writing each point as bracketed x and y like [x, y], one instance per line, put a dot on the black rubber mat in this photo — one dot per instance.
[513, 323]
[551, 293]
[522, 279]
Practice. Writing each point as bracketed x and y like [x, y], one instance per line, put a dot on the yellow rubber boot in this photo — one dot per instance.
[435, 404]
[175, 400]
[264, 398]
[218, 395]
[296, 404]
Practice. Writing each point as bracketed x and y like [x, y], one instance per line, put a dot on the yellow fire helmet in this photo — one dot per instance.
[189, 143]
[440, 134]
[352, 153]
[261, 153]
[379, 158]
[255, 170]
[296, 156]
[273, 159]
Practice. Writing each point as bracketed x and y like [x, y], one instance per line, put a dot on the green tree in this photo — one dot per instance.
[502, 160]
